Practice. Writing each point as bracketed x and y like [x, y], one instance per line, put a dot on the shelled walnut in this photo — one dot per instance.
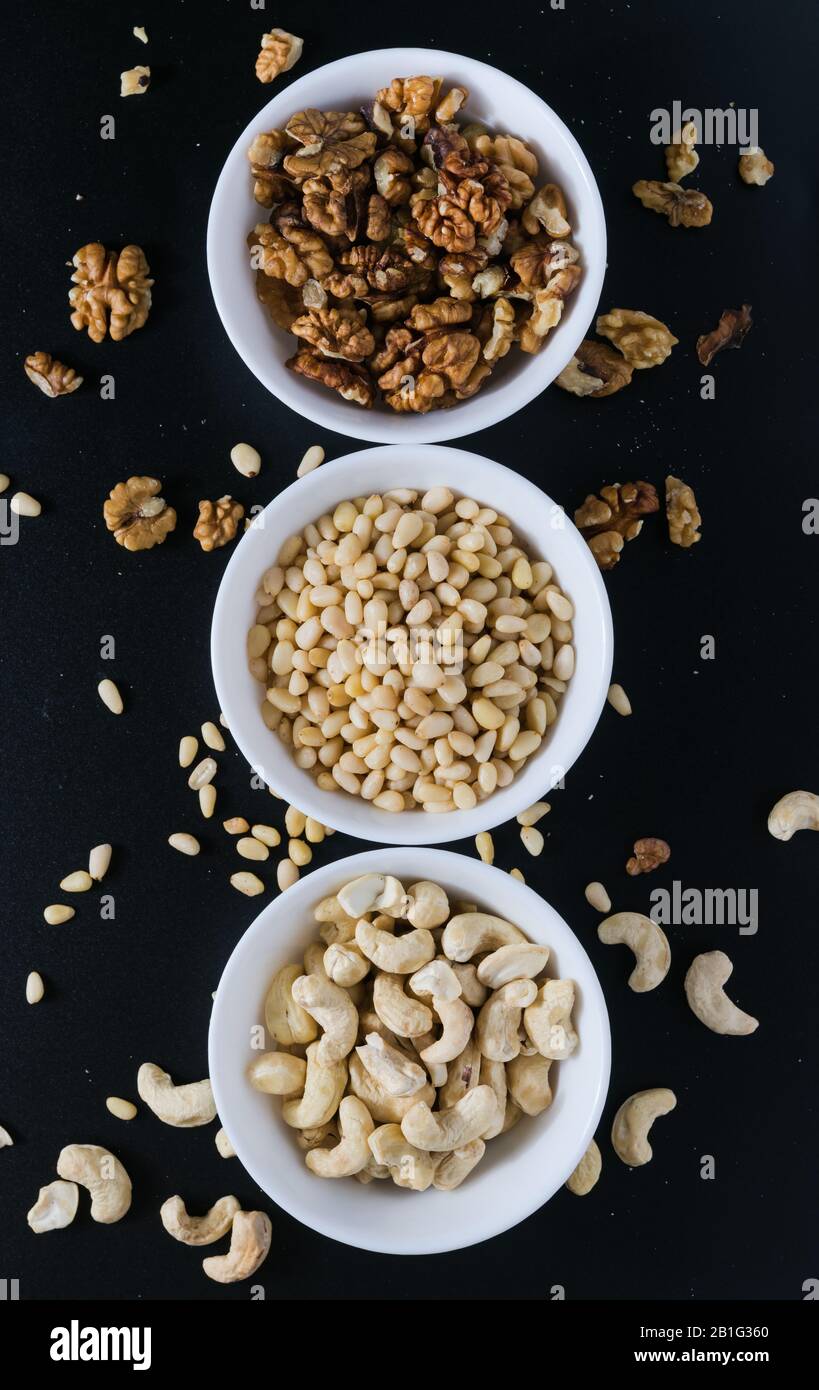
[218, 522]
[649, 854]
[682, 513]
[684, 207]
[681, 158]
[279, 52]
[52, 377]
[644, 341]
[138, 516]
[613, 518]
[731, 330]
[112, 291]
[595, 370]
[755, 167]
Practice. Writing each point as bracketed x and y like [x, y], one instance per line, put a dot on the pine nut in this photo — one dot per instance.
[526, 743]
[532, 839]
[313, 458]
[202, 774]
[516, 873]
[246, 460]
[207, 800]
[560, 605]
[533, 813]
[295, 821]
[487, 714]
[237, 825]
[597, 897]
[99, 862]
[213, 737]
[186, 844]
[485, 846]
[58, 913]
[268, 834]
[564, 663]
[35, 989]
[121, 1109]
[247, 883]
[188, 747]
[4, 481]
[22, 504]
[314, 831]
[251, 848]
[110, 696]
[286, 874]
[618, 699]
[78, 882]
[299, 852]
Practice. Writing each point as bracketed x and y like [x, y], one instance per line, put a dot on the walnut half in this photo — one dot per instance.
[218, 522]
[733, 325]
[112, 291]
[279, 52]
[52, 377]
[137, 515]
[644, 341]
[684, 207]
[682, 513]
[614, 517]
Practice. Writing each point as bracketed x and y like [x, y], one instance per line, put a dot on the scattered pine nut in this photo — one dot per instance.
[58, 913]
[300, 853]
[212, 737]
[268, 834]
[186, 844]
[295, 820]
[110, 696]
[122, 1109]
[202, 774]
[532, 839]
[312, 459]
[246, 459]
[286, 873]
[485, 846]
[24, 505]
[224, 1145]
[250, 848]
[223, 721]
[516, 873]
[4, 481]
[78, 882]
[314, 831]
[6, 1141]
[99, 862]
[207, 800]
[237, 825]
[533, 813]
[247, 883]
[618, 699]
[35, 989]
[188, 748]
[597, 897]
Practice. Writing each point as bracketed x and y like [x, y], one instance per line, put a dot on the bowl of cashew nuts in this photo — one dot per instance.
[447, 1089]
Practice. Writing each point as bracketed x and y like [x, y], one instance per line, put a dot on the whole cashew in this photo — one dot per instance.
[438, 1070]
[440, 1131]
[329, 910]
[511, 1117]
[473, 992]
[369, 1022]
[429, 905]
[384, 1108]
[548, 1020]
[457, 1021]
[318, 1137]
[392, 1069]
[198, 1230]
[464, 936]
[372, 1170]
[341, 932]
[629, 1133]
[314, 959]
[277, 1074]
[351, 1154]
[55, 1208]
[323, 1089]
[528, 1081]
[182, 1106]
[648, 942]
[344, 963]
[494, 1074]
[499, 1020]
[334, 1011]
[373, 893]
[463, 1074]
[107, 1181]
[520, 961]
[409, 1166]
[404, 1016]
[585, 1175]
[456, 1166]
[704, 991]
[249, 1244]
[436, 977]
[796, 811]
[286, 1020]
[398, 955]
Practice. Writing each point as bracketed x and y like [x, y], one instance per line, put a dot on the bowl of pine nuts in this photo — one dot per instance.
[412, 644]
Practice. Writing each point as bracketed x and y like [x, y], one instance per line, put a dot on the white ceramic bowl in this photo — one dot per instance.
[503, 104]
[521, 1169]
[533, 516]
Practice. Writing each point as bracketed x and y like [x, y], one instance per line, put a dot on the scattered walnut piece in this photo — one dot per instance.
[613, 518]
[134, 82]
[218, 522]
[52, 377]
[682, 512]
[112, 291]
[279, 52]
[734, 324]
[681, 158]
[575, 379]
[754, 167]
[547, 211]
[644, 341]
[137, 515]
[351, 381]
[649, 854]
[684, 207]
[602, 361]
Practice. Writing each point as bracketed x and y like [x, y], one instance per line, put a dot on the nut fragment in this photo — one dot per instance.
[755, 167]
[792, 812]
[218, 522]
[649, 854]
[681, 158]
[137, 515]
[135, 81]
[629, 1132]
[51, 376]
[249, 1244]
[110, 696]
[181, 1106]
[55, 1208]
[704, 981]
[647, 940]
[682, 513]
[198, 1230]
[614, 517]
[644, 341]
[587, 1172]
[733, 326]
[684, 207]
[112, 291]
[102, 1174]
[279, 52]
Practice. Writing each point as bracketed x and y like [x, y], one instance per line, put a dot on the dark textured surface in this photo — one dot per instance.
[711, 745]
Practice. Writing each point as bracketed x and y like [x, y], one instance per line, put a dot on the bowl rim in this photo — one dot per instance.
[513, 393]
[490, 1222]
[274, 763]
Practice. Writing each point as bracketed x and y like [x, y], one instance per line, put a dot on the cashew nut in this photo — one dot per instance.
[704, 991]
[796, 811]
[548, 1020]
[456, 1166]
[344, 964]
[182, 1106]
[648, 942]
[463, 1074]
[329, 910]
[473, 992]
[277, 1074]
[408, 1166]
[369, 1022]
[392, 1069]
[438, 1070]
[429, 905]
[528, 1081]
[384, 1108]
[398, 955]
[494, 1074]
[406, 1017]
[520, 961]
[457, 1021]
[249, 1243]
[198, 1230]
[224, 1147]
[512, 1115]
[436, 977]
[585, 1175]
[314, 959]
[373, 893]
[629, 1133]
[55, 1208]
[352, 1152]
[471, 932]
[318, 1137]
[499, 1020]
[323, 1089]
[286, 1020]
[440, 1131]
[102, 1173]
[334, 1011]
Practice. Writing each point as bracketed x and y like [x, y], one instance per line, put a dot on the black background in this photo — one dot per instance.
[709, 748]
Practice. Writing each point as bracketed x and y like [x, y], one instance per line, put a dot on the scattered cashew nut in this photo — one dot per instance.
[585, 1175]
[648, 942]
[198, 1230]
[102, 1173]
[352, 1153]
[441, 1131]
[629, 1133]
[333, 1010]
[249, 1243]
[181, 1106]
[796, 811]
[55, 1208]
[704, 982]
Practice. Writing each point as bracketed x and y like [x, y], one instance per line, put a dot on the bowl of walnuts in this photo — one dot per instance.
[391, 260]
